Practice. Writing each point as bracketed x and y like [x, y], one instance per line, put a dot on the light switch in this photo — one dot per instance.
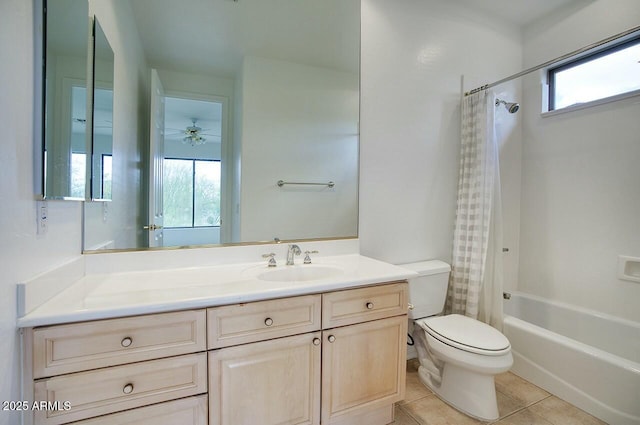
[42, 214]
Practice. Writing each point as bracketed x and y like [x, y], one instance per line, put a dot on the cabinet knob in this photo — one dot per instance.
[410, 306]
[268, 321]
[369, 305]
[126, 341]
[331, 338]
[128, 389]
[316, 341]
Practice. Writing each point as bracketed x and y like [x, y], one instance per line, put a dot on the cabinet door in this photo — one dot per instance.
[363, 367]
[266, 383]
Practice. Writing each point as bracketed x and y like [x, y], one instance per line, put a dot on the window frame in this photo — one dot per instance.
[193, 192]
[596, 54]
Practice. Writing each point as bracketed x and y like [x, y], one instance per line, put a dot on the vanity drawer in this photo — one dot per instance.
[244, 323]
[342, 308]
[186, 411]
[90, 345]
[104, 391]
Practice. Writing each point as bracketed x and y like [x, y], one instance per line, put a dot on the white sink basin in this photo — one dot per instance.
[300, 273]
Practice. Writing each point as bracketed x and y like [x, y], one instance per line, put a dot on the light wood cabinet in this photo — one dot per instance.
[276, 382]
[270, 382]
[363, 367]
[336, 358]
[85, 370]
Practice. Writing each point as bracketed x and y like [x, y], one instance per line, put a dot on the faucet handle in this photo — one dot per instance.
[272, 259]
[307, 258]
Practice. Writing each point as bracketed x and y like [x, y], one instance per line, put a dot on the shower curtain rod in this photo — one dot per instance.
[558, 59]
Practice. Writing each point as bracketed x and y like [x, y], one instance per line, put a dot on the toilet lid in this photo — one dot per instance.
[466, 334]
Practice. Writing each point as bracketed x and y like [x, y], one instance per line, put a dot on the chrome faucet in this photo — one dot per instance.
[292, 251]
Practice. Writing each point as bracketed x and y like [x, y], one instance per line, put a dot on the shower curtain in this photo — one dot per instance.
[475, 283]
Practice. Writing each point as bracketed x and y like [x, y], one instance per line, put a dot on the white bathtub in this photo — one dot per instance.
[587, 358]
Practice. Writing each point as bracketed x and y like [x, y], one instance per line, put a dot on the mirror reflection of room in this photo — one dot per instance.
[288, 109]
[65, 141]
[102, 116]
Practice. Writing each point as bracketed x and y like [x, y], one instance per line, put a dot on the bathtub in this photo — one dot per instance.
[587, 358]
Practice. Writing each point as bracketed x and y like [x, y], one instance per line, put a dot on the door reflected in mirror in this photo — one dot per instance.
[192, 184]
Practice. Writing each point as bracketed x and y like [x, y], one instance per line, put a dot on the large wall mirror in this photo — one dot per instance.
[226, 121]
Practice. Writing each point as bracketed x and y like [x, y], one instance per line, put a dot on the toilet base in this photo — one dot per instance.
[472, 393]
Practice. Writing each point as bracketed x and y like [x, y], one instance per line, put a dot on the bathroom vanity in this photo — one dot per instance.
[326, 350]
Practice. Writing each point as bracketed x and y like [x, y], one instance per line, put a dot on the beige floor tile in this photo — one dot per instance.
[519, 389]
[523, 417]
[508, 405]
[519, 403]
[431, 410]
[414, 389]
[402, 418]
[559, 412]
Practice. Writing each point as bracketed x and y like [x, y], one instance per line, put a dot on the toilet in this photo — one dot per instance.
[459, 356]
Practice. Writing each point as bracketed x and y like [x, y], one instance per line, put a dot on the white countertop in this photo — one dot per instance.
[101, 296]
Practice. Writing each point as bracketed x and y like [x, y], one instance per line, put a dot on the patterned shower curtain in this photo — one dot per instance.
[475, 284]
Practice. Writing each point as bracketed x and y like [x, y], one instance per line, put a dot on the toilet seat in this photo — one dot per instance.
[466, 334]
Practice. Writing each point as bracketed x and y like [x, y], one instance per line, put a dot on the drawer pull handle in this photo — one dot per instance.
[316, 341]
[268, 321]
[369, 305]
[128, 389]
[126, 342]
[331, 338]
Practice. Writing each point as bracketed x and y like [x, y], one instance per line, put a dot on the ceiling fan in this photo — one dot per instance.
[194, 135]
[97, 124]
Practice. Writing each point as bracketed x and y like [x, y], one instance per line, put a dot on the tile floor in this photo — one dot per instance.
[519, 403]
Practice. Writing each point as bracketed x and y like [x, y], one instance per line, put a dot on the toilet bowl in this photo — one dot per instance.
[459, 356]
[471, 353]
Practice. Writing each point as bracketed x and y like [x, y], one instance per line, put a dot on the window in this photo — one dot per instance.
[602, 74]
[191, 193]
[105, 186]
[78, 174]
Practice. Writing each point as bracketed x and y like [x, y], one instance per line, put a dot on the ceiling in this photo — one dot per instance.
[212, 36]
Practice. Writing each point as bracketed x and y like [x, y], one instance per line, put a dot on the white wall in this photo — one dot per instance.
[581, 176]
[23, 254]
[300, 124]
[176, 83]
[123, 224]
[413, 54]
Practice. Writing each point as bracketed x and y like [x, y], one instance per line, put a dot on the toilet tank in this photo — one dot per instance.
[428, 290]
